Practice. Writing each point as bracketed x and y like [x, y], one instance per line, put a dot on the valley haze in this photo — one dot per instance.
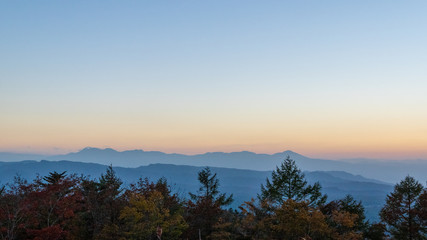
[387, 171]
[243, 184]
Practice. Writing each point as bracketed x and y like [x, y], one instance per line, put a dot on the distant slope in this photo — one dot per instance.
[391, 171]
[241, 160]
[244, 184]
[347, 176]
[13, 157]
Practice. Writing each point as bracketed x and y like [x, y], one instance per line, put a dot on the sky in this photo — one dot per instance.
[330, 79]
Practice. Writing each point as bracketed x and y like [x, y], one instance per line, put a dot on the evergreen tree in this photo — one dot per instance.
[110, 182]
[349, 204]
[288, 182]
[209, 189]
[402, 212]
[54, 177]
[375, 231]
[205, 207]
[422, 210]
[103, 201]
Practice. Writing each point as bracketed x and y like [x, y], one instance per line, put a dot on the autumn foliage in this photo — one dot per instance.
[61, 206]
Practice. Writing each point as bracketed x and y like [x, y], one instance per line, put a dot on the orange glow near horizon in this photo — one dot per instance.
[316, 139]
[386, 154]
[346, 80]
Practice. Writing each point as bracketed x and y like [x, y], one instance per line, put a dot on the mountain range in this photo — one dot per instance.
[243, 184]
[387, 171]
[240, 173]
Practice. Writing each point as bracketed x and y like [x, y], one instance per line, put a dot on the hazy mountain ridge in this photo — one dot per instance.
[244, 184]
[14, 157]
[387, 171]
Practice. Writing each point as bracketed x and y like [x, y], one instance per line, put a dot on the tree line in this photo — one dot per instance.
[61, 206]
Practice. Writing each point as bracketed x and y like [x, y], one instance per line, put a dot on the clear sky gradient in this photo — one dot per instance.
[332, 79]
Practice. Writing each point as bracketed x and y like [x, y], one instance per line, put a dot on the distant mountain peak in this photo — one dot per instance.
[227, 153]
[291, 153]
[93, 149]
[87, 149]
[106, 150]
[134, 151]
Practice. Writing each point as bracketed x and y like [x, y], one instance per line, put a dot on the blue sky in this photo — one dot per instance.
[325, 78]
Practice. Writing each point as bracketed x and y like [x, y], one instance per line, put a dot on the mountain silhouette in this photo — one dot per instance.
[243, 184]
[388, 171]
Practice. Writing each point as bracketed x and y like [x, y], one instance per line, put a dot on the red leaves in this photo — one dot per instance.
[39, 210]
[48, 233]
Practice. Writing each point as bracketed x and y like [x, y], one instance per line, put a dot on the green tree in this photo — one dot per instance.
[422, 210]
[103, 201]
[288, 182]
[209, 189]
[402, 212]
[54, 178]
[205, 207]
[375, 231]
[350, 205]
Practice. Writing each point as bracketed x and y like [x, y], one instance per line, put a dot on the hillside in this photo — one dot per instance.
[244, 184]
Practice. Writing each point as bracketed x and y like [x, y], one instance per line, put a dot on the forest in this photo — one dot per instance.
[62, 206]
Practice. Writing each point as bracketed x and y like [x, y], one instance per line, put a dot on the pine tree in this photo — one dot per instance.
[54, 177]
[402, 211]
[422, 209]
[205, 207]
[349, 204]
[110, 182]
[103, 201]
[210, 189]
[288, 182]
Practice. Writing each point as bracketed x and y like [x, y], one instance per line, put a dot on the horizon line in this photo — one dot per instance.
[210, 152]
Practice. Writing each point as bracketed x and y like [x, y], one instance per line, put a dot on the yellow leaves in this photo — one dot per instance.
[298, 219]
[256, 221]
[292, 220]
[110, 232]
[344, 219]
[220, 230]
[145, 213]
[344, 223]
[143, 208]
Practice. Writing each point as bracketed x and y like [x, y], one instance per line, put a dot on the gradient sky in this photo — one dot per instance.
[333, 79]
